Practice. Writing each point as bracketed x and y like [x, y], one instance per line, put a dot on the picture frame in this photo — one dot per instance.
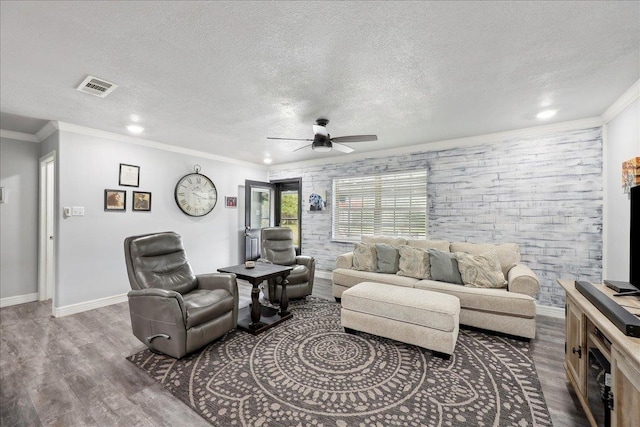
[129, 175]
[115, 200]
[141, 201]
[230, 202]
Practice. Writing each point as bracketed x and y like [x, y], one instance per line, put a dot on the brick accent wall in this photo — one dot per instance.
[544, 193]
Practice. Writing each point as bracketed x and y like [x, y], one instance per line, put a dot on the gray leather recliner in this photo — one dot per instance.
[277, 247]
[173, 311]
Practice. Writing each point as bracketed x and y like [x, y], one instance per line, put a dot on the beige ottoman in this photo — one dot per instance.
[413, 316]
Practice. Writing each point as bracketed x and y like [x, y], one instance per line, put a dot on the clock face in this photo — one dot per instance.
[195, 194]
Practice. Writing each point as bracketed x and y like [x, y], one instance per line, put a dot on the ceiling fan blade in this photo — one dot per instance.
[355, 138]
[341, 148]
[303, 147]
[291, 139]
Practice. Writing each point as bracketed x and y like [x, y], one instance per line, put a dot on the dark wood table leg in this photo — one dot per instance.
[284, 298]
[256, 307]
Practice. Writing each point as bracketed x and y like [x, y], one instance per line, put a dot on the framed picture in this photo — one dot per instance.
[318, 201]
[129, 175]
[231, 202]
[141, 201]
[115, 200]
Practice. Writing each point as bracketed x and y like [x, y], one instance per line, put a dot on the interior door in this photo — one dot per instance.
[258, 213]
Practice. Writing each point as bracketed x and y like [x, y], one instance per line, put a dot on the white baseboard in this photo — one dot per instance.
[323, 274]
[545, 310]
[88, 305]
[19, 299]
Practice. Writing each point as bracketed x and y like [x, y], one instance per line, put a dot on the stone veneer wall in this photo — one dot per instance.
[544, 193]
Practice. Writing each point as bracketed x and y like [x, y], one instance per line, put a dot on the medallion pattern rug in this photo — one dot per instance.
[308, 372]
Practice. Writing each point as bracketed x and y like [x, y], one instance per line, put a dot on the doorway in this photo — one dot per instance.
[46, 232]
[268, 204]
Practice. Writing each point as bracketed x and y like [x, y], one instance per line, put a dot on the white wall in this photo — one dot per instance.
[19, 218]
[90, 247]
[622, 143]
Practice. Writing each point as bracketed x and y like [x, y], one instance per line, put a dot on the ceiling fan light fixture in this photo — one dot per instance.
[320, 148]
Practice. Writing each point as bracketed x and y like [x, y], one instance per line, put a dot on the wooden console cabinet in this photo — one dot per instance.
[587, 327]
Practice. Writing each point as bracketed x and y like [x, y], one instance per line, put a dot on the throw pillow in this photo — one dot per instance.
[364, 257]
[388, 258]
[481, 271]
[414, 262]
[444, 267]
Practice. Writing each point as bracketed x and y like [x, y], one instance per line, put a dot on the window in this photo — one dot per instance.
[390, 204]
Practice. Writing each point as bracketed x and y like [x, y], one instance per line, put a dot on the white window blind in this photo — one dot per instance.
[390, 204]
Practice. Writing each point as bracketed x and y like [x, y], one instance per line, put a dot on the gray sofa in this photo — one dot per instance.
[509, 310]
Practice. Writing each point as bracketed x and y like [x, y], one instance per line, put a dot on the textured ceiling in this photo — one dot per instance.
[222, 76]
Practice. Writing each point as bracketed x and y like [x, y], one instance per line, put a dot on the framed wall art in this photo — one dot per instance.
[129, 175]
[141, 201]
[231, 202]
[115, 200]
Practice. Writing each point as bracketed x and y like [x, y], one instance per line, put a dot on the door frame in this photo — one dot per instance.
[46, 287]
[249, 185]
[281, 186]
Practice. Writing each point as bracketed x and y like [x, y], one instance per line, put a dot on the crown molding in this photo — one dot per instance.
[451, 143]
[621, 103]
[68, 127]
[19, 136]
[46, 130]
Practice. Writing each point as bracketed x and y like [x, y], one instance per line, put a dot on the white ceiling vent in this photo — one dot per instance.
[97, 87]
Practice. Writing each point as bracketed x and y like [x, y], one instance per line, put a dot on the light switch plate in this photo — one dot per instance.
[77, 211]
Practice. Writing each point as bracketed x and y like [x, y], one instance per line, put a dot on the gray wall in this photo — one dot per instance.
[19, 163]
[622, 143]
[544, 193]
[90, 248]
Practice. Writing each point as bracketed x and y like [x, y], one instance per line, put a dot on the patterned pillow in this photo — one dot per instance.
[481, 271]
[364, 257]
[444, 267]
[414, 262]
[388, 257]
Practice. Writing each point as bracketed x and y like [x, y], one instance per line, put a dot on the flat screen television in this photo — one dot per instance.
[634, 242]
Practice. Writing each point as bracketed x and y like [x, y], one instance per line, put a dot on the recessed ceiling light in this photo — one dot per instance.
[546, 114]
[135, 128]
[268, 160]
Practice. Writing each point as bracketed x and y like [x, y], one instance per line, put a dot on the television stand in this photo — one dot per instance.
[586, 329]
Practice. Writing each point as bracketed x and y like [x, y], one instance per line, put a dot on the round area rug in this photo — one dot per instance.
[309, 372]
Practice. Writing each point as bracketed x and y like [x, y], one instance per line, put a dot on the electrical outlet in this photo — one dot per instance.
[78, 211]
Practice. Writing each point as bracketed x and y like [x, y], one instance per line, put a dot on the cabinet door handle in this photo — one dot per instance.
[578, 350]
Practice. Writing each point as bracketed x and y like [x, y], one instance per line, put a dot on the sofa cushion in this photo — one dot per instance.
[347, 278]
[389, 240]
[444, 267]
[364, 257]
[486, 300]
[441, 245]
[480, 271]
[388, 258]
[414, 262]
[508, 253]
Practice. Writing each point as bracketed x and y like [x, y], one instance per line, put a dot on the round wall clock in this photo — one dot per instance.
[195, 194]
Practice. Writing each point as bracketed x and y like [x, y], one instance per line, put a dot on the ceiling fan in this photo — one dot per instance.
[323, 142]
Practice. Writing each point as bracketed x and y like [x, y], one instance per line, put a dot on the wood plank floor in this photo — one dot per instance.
[71, 371]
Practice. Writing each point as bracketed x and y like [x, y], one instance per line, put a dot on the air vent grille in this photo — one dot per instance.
[96, 86]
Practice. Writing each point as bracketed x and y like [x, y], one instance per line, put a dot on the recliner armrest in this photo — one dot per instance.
[213, 281]
[305, 260]
[345, 260]
[522, 280]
